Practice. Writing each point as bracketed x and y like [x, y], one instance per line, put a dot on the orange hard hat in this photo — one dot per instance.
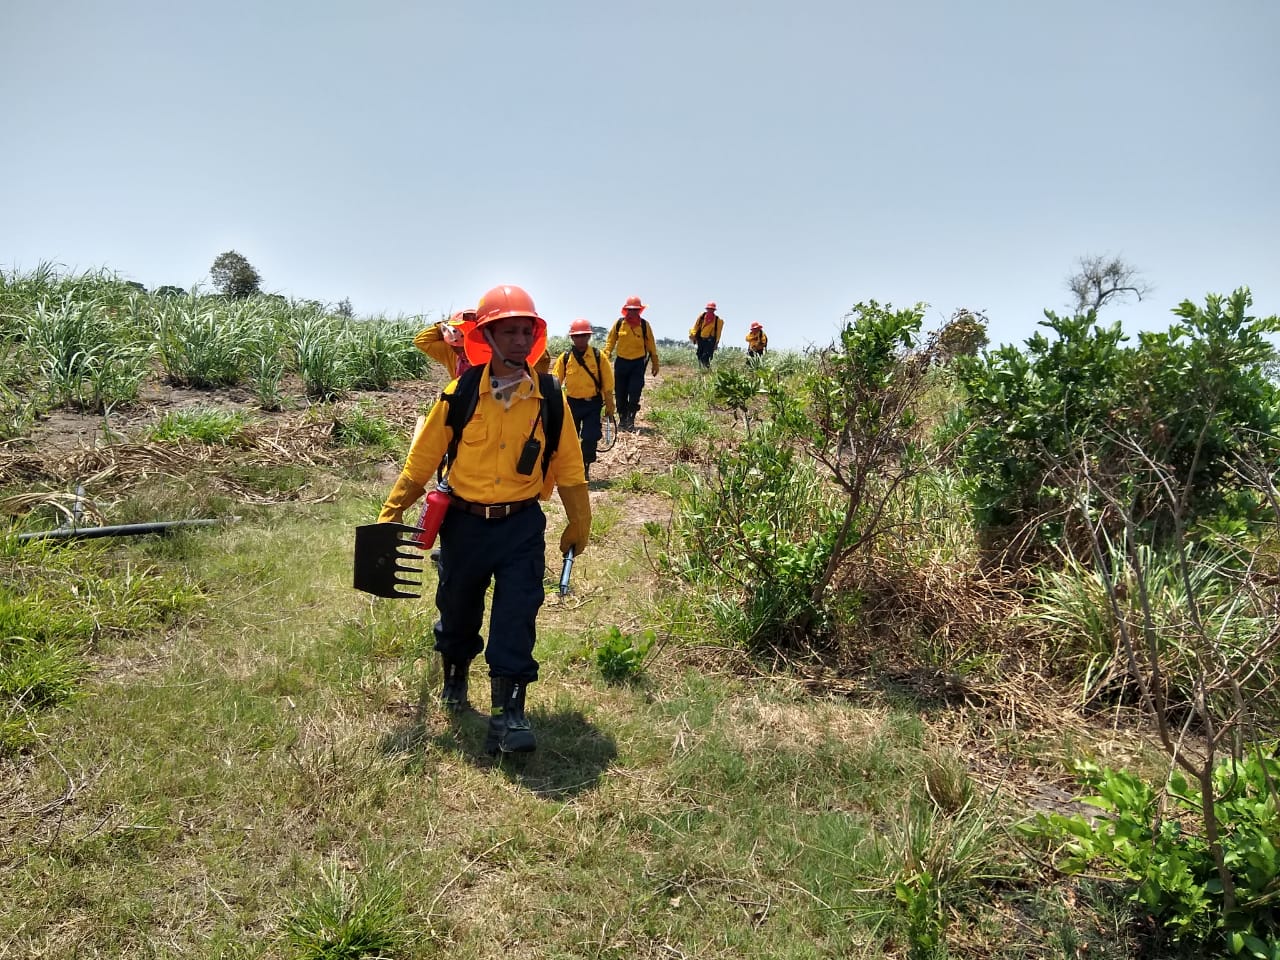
[501, 303]
[633, 303]
[467, 315]
[711, 305]
[580, 326]
[756, 326]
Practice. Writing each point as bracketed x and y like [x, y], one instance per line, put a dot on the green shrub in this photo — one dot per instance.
[1169, 867]
[1084, 404]
[620, 656]
[758, 524]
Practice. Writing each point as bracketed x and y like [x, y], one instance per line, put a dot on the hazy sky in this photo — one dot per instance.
[784, 159]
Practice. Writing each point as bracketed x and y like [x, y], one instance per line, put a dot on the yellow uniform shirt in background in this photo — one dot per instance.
[632, 343]
[576, 376]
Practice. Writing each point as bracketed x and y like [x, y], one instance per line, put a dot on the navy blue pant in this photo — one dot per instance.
[706, 348]
[511, 553]
[628, 382]
[586, 420]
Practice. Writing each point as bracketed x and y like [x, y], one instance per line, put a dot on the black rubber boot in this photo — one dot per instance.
[509, 731]
[453, 695]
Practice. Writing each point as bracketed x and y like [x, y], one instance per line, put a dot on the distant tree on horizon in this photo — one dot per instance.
[344, 308]
[234, 276]
[1100, 280]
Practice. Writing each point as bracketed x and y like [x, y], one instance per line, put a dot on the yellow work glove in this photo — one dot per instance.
[610, 410]
[577, 504]
[404, 494]
[653, 367]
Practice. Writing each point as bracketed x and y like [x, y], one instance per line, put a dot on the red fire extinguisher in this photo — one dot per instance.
[434, 507]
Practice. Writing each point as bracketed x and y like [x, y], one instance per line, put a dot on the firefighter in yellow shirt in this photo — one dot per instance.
[495, 529]
[757, 342]
[442, 342]
[631, 346]
[705, 334]
[588, 386]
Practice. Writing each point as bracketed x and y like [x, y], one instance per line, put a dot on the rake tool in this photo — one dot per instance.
[380, 550]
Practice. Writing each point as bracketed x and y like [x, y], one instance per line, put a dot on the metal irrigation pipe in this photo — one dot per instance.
[122, 530]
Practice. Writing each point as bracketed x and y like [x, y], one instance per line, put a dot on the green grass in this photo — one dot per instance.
[199, 424]
[240, 757]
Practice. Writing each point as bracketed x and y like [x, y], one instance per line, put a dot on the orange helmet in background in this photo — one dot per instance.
[501, 303]
[633, 303]
[580, 326]
[457, 326]
[711, 306]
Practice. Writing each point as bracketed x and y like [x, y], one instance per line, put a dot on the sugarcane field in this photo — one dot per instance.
[904, 643]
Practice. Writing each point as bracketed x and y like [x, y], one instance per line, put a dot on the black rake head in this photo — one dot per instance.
[381, 549]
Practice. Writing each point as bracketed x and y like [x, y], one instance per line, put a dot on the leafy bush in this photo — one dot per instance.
[1083, 404]
[620, 656]
[1172, 870]
[760, 524]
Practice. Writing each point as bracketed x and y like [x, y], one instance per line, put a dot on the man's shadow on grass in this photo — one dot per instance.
[572, 752]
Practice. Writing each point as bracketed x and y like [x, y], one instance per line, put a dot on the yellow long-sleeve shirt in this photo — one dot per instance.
[632, 343]
[431, 342]
[490, 448]
[757, 341]
[703, 328]
[577, 373]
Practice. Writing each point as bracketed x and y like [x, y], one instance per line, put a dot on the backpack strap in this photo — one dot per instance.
[552, 417]
[594, 378]
[462, 406]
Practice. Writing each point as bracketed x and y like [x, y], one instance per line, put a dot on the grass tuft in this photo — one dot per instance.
[348, 919]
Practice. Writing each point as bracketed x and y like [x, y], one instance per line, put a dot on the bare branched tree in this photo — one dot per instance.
[1100, 280]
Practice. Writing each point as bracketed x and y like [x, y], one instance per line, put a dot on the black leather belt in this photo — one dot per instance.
[491, 511]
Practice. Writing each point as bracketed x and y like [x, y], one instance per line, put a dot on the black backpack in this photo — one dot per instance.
[462, 406]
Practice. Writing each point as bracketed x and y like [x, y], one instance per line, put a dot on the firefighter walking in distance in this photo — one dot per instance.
[705, 334]
[588, 386]
[631, 346]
